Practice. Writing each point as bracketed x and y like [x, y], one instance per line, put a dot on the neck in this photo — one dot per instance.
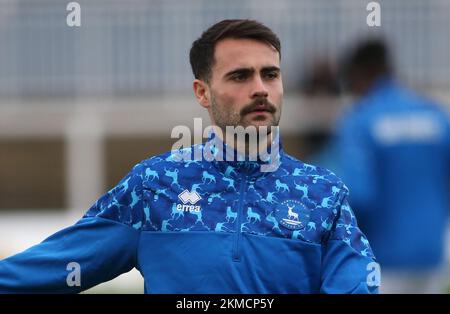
[264, 149]
[249, 142]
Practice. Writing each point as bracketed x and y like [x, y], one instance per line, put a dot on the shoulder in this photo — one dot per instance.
[160, 170]
[322, 181]
[355, 118]
[297, 166]
[174, 156]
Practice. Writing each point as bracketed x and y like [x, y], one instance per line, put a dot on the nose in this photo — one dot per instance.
[259, 89]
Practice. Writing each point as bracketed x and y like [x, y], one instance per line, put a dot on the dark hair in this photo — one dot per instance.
[201, 55]
[371, 56]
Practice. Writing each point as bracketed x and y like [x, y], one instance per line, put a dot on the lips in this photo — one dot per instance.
[260, 110]
[261, 107]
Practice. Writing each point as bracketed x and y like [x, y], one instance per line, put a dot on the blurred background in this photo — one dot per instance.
[79, 106]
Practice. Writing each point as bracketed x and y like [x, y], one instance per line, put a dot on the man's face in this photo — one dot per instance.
[246, 86]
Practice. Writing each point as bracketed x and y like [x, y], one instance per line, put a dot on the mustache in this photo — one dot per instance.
[259, 104]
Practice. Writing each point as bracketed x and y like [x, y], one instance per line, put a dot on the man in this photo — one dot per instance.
[220, 225]
[394, 152]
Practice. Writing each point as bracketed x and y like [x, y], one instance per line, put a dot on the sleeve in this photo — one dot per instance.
[98, 248]
[348, 264]
[356, 164]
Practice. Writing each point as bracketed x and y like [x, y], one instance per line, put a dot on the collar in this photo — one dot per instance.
[235, 164]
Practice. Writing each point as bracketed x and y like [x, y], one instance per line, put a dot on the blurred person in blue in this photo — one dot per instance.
[393, 150]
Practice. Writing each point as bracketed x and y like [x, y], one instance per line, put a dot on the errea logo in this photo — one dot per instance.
[189, 197]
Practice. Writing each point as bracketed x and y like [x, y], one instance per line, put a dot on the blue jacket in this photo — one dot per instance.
[394, 149]
[209, 227]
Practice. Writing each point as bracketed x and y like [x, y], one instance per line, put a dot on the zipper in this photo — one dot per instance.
[236, 249]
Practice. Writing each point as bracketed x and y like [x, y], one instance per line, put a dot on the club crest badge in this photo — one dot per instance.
[292, 214]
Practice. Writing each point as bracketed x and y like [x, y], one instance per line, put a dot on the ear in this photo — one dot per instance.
[202, 93]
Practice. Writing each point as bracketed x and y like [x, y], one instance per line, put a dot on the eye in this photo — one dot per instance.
[239, 77]
[271, 75]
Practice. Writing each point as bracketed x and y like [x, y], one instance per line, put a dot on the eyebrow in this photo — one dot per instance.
[251, 70]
